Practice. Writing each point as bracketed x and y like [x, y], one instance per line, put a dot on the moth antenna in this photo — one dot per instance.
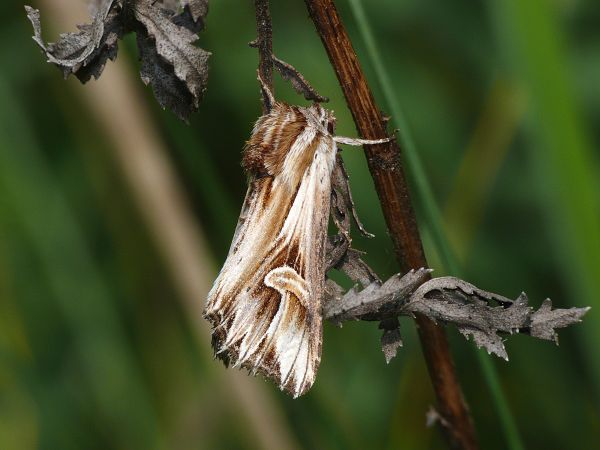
[357, 142]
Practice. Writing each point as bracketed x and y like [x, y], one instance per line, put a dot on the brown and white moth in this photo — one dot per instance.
[265, 306]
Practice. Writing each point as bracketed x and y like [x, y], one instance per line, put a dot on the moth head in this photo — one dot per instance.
[323, 117]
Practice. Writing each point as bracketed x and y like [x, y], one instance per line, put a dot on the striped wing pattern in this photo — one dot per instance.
[265, 306]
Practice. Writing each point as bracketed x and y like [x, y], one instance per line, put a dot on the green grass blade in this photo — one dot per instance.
[424, 196]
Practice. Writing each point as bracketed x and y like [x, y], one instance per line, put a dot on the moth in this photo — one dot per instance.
[265, 305]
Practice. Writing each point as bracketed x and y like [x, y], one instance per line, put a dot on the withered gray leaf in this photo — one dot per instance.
[472, 310]
[343, 213]
[191, 15]
[198, 8]
[337, 247]
[83, 53]
[169, 91]
[166, 30]
[334, 309]
[546, 320]
[96, 5]
[186, 67]
[391, 339]
[377, 301]
[482, 315]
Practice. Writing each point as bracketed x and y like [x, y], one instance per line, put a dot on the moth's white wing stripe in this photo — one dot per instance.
[254, 244]
[300, 217]
[242, 320]
[287, 345]
[295, 368]
[289, 173]
[302, 363]
[270, 336]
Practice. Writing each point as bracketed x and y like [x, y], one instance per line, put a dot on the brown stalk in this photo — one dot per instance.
[386, 169]
[264, 43]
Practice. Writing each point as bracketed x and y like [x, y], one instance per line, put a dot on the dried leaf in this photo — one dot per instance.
[197, 8]
[192, 14]
[185, 62]
[83, 53]
[545, 320]
[166, 34]
[348, 260]
[483, 315]
[170, 91]
[452, 300]
[391, 339]
[377, 301]
[96, 5]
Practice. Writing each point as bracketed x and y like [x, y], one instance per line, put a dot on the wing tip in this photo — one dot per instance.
[267, 366]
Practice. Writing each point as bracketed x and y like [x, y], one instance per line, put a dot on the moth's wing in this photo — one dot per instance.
[265, 306]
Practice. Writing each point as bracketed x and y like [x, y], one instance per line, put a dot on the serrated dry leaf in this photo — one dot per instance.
[471, 310]
[166, 42]
[377, 301]
[166, 31]
[545, 321]
[198, 8]
[83, 53]
[169, 91]
[482, 315]
[391, 339]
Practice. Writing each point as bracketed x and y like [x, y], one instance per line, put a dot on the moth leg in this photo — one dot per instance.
[342, 257]
[342, 203]
[336, 248]
[339, 253]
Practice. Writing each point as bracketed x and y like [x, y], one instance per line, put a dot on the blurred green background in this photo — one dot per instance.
[115, 216]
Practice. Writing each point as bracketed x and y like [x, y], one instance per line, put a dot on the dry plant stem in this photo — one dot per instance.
[264, 43]
[386, 169]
